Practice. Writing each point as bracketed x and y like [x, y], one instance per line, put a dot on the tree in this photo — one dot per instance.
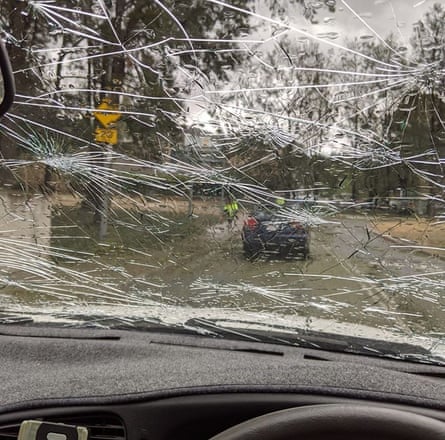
[418, 119]
[146, 41]
[274, 106]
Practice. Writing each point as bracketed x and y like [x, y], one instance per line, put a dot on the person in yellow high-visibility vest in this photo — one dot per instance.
[280, 201]
[231, 210]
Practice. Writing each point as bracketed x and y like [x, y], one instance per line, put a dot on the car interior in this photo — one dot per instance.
[152, 385]
[204, 381]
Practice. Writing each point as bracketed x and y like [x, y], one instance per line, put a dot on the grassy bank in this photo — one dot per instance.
[75, 228]
[420, 232]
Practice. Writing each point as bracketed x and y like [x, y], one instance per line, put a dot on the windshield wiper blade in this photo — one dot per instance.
[15, 319]
[318, 340]
[243, 331]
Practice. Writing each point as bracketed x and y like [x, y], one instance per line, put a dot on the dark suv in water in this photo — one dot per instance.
[270, 234]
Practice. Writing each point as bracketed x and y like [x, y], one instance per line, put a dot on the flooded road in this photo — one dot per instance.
[349, 271]
[352, 274]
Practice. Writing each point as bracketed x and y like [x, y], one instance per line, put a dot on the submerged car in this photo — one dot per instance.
[271, 234]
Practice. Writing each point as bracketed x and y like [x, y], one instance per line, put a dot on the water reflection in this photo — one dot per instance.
[25, 219]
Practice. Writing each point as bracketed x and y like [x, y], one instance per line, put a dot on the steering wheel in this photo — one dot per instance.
[337, 422]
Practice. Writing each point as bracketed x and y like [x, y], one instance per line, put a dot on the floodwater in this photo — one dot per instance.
[352, 274]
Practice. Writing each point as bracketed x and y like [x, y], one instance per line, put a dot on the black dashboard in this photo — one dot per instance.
[186, 417]
[143, 385]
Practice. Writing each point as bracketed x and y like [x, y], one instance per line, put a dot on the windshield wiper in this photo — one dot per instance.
[15, 319]
[311, 339]
[243, 331]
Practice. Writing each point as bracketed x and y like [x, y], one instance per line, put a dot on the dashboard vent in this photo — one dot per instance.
[100, 427]
[9, 432]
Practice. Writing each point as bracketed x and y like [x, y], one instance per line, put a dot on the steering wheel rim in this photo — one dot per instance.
[334, 421]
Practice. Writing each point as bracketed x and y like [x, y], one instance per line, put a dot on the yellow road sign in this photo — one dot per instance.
[105, 118]
[106, 135]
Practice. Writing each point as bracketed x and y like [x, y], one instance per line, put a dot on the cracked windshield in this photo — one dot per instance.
[255, 164]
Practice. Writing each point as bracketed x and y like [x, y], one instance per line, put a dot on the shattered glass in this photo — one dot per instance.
[137, 123]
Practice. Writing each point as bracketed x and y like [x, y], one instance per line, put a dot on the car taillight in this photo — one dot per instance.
[251, 222]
